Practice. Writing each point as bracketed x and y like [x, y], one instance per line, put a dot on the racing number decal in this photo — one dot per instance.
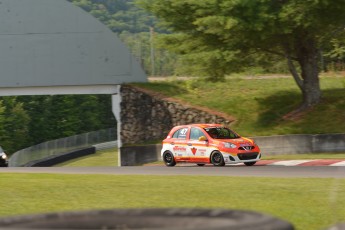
[180, 149]
[183, 133]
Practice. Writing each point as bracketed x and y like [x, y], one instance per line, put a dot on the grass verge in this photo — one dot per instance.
[106, 157]
[307, 203]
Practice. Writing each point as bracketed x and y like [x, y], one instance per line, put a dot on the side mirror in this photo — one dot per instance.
[202, 138]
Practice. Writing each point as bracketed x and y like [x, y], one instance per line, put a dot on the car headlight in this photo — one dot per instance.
[3, 156]
[229, 145]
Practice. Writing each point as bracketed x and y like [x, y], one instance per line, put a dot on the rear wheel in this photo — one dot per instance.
[217, 159]
[168, 159]
[250, 163]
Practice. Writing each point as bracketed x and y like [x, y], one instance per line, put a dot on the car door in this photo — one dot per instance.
[197, 148]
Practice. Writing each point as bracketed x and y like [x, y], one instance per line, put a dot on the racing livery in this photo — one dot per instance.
[208, 143]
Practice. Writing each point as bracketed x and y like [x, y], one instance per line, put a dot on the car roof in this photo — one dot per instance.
[197, 125]
[207, 125]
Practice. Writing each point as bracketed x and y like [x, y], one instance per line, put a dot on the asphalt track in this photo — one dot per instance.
[192, 170]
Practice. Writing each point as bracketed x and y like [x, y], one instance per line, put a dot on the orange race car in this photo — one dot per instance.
[208, 143]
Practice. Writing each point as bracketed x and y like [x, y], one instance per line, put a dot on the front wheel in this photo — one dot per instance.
[250, 163]
[168, 159]
[217, 159]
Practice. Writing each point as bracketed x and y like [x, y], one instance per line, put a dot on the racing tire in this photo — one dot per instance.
[154, 218]
[217, 159]
[168, 159]
[200, 164]
[250, 163]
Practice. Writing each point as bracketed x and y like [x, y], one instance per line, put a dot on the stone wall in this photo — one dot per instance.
[148, 116]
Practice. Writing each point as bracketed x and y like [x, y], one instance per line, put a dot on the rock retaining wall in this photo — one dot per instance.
[148, 116]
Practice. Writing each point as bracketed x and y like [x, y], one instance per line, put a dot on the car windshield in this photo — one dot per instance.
[221, 133]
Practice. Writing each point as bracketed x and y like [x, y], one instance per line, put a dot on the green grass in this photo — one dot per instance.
[258, 105]
[307, 203]
[106, 157]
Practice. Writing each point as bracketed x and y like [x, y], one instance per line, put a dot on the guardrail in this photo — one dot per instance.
[62, 145]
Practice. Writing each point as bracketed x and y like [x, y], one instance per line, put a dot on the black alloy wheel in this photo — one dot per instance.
[168, 159]
[217, 159]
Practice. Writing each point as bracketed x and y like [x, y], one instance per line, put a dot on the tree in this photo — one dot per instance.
[14, 124]
[225, 33]
[334, 55]
[52, 117]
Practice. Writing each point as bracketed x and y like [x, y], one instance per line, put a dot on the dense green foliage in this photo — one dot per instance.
[118, 15]
[29, 120]
[159, 57]
[133, 24]
[224, 35]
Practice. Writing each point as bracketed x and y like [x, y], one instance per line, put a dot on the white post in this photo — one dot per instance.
[116, 108]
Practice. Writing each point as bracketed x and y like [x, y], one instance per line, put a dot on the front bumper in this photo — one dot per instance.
[241, 157]
[3, 163]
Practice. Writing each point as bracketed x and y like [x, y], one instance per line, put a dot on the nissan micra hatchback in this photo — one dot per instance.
[208, 143]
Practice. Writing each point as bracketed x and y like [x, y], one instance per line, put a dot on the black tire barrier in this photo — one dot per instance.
[60, 158]
[172, 219]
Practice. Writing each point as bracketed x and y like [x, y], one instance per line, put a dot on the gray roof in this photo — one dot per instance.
[54, 43]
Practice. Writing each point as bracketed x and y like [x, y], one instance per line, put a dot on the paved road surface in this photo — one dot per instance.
[238, 170]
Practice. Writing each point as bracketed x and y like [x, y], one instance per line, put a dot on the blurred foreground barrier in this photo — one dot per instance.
[340, 226]
[172, 219]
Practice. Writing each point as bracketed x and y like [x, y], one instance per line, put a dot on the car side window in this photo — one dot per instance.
[181, 133]
[195, 133]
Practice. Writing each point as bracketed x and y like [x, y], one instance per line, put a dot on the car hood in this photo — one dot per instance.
[239, 141]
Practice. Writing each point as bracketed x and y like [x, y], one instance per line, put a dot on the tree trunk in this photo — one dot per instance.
[307, 56]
